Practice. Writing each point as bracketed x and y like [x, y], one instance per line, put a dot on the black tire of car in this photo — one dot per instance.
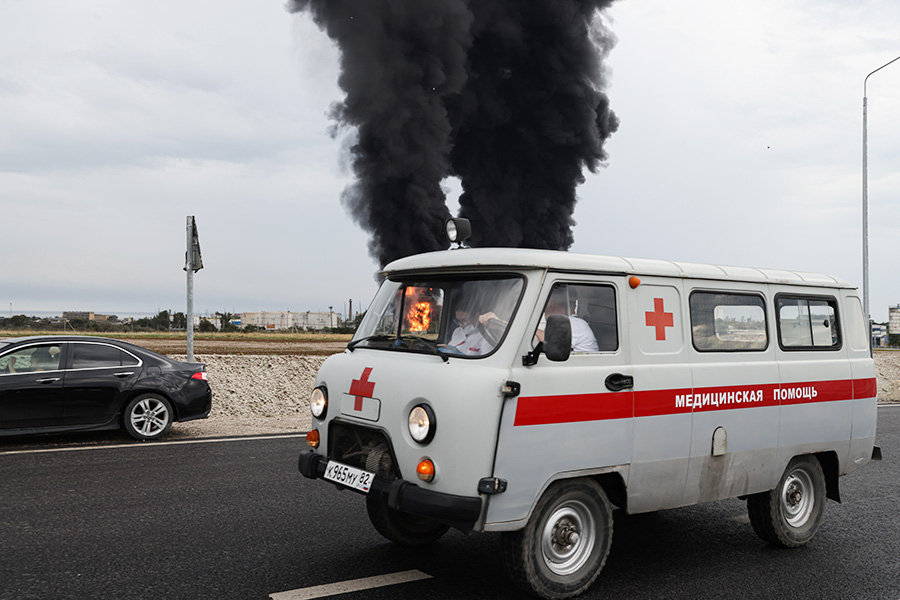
[400, 527]
[148, 417]
[565, 543]
[790, 515]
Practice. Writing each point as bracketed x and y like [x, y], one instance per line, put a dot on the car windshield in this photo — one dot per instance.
[447, 316]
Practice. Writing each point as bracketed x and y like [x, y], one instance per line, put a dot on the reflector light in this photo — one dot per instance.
[425, 469]
[201, 375]
[312, 438]
[634, 282]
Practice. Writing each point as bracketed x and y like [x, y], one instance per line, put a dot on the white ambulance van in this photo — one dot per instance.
[530, 392]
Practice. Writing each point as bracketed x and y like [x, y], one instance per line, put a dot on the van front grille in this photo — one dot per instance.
[363, 448]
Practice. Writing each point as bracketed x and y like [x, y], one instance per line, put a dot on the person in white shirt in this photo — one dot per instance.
[583, 338]
[467, 338]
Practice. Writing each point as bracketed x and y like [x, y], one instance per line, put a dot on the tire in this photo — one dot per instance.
[564, 545]
[148, 417]
[400, 527]
[790, 515]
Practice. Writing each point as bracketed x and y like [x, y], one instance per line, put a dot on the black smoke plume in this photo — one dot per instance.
[505, 94]
[531, 117]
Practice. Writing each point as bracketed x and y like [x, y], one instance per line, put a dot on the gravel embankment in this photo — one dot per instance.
[254, 395]
[887, 369]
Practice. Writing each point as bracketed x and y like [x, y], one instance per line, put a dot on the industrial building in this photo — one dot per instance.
[894, 320]
[280, 320]
[71, 315]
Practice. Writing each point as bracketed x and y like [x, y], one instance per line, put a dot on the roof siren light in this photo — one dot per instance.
[458, 230]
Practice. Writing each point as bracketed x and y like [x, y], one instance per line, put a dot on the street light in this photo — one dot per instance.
[865, 202]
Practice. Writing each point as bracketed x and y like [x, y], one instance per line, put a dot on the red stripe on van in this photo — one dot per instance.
[573, 408]
[576, 408]
[653, 403]
[816, 391]
[865, 388]
[673, 402]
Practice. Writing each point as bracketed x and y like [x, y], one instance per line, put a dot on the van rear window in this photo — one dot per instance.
[808, 323]
[728, 322]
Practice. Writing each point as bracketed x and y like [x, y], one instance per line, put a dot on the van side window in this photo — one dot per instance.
[592, 312]
[807, 323]
[728, 322]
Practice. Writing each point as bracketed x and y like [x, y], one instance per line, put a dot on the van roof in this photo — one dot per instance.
[466, 259]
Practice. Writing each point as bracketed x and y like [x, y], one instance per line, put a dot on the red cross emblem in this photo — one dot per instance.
[362, 388]
[659, 319]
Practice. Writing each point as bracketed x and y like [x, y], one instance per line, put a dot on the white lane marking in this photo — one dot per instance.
[155, 444]
[353, 585]
[741, 518]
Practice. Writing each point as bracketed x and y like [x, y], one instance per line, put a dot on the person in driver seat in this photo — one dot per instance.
[467, 337]
[42, 360]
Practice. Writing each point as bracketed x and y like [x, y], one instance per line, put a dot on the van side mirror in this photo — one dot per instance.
[558, 338]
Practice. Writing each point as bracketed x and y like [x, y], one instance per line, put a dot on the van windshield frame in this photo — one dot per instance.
[461, 316]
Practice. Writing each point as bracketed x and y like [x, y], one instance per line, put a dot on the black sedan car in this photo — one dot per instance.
[71, 383]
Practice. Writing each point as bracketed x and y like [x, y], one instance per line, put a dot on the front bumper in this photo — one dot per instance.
[461, 512]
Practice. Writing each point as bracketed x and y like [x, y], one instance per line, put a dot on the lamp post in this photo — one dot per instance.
[865, 202]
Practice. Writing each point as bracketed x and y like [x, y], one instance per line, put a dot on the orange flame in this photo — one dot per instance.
[419, 314]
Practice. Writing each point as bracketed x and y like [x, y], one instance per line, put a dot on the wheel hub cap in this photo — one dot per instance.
[568, 538]
[797, 498]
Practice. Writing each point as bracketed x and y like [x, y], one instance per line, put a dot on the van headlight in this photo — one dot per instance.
[422, 423]
[318, 402]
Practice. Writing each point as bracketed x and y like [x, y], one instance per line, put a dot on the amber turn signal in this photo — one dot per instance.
[634, 282]
[312, 438]
[425, 469]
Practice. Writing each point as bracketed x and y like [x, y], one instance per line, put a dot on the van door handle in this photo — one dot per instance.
[121, 375]
[617, 382]
[46, 380]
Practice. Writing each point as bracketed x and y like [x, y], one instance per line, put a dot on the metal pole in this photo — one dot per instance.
[865, 202]
[865, 218]
[189, 267]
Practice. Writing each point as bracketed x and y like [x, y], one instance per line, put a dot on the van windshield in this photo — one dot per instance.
[448, 316]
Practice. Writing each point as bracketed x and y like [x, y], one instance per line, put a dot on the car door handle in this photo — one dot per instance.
[46, 380]
[617, 382]
[125, 374]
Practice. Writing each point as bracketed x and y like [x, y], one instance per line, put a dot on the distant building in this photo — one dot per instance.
[213, 319]
[894, 320]
[879, 335]
[72, 315]
[281, 320]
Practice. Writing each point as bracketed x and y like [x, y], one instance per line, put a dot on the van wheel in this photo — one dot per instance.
[400, 527]
[790, 515]
[564, 545]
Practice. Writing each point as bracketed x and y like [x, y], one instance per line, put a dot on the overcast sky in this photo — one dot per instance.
[740, 143]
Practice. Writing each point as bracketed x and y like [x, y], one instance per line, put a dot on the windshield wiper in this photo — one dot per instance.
[430, 344]
[371, 338]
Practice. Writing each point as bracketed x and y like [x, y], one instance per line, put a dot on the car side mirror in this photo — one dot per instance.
[558, 338]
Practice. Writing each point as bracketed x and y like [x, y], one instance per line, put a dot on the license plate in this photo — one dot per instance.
[349, 476]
